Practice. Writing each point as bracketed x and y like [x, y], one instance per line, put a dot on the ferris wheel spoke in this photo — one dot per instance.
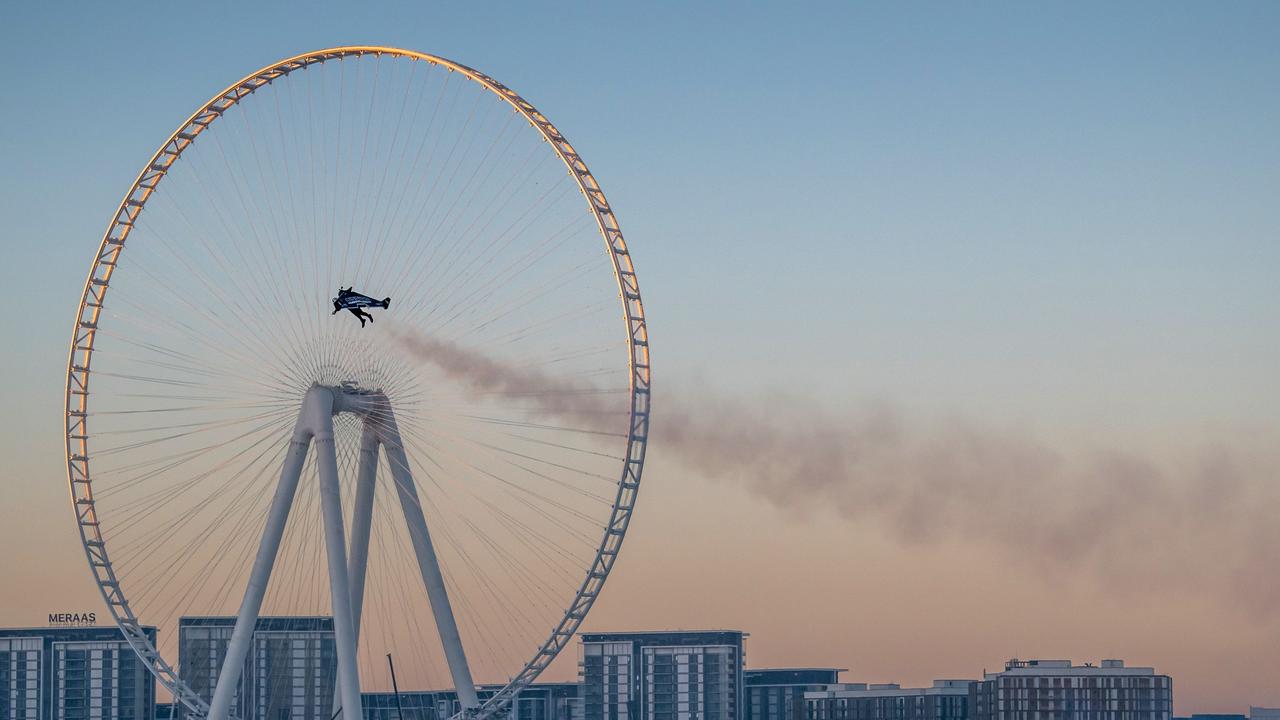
[524, 225]
[206, 501]
[177, 327]
[259, 239]
[264, 437]
[250, 494]
[272, 192]
[513, 233]
[167, 463]
[180, 331]
[197, 430]
[458, 589]
[429, 565]
[429, 450]
[371, 238]
[359, 177]
[306, 265]
[210, 375]
[443, 492]
[391, 545]
[466, 307]
[527, 425]
[230, 405]
[167, 492]
[579, 405]
[494, 209]
[431, 193]
[239, 272]
[458, 439]
[301, 557]
[505, 455]
[569, 316]
[210, 424]
[558, 283]
[311, 174]
[486, 538]
[442, 183]
[530, 585]
[457, 208]
[379, 194]
[162, 598]
[481, 633]
[447, 280]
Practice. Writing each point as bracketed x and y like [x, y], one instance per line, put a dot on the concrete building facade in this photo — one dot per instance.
[73, 673]
[291, 667]
[540, 701]
[1058, 690]
[778, 693]
[662, 675]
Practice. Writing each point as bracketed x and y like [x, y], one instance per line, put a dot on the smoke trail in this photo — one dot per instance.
[1121, 517]
[544, 394]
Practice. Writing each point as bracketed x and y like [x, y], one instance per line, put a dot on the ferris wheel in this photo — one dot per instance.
[350, 347]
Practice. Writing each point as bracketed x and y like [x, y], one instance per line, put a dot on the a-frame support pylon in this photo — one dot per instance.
[346, 570]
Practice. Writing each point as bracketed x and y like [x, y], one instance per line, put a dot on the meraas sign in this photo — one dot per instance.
[64, 618]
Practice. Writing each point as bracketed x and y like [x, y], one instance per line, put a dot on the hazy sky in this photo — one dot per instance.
[1052, 228]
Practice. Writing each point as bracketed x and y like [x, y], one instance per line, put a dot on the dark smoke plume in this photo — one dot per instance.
[1122, 518]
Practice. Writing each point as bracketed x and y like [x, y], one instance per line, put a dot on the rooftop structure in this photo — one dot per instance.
[1064, 668]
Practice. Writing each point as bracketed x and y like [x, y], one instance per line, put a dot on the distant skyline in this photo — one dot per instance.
[1035, 247]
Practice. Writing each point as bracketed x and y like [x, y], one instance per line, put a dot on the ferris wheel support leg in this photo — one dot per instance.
[429, 564]
[229, 676]
[362, 519]
[339, 585]
[361, 522]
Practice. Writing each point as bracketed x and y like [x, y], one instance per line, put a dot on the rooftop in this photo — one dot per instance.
[51, 629]
[668, 637]
[793, 676]
[872, 690]
[799, 669]
[1024, 668]
[666, 632]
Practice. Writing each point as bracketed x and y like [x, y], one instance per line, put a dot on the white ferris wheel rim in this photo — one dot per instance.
[93, 298]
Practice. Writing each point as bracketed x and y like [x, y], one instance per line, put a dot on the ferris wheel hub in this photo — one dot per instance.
[349, 397]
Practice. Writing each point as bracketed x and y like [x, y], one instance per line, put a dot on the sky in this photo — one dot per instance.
[1047, 230]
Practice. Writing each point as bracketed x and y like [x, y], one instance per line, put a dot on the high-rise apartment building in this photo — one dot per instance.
[662, 675]
[289, 671]
[73, 673]
[1058, 690]
[944, 700]
[778, 693]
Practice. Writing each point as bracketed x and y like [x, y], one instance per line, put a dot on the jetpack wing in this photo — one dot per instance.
[347, 301]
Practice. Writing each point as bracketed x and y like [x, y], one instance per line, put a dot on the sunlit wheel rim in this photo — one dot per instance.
[80, 455]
